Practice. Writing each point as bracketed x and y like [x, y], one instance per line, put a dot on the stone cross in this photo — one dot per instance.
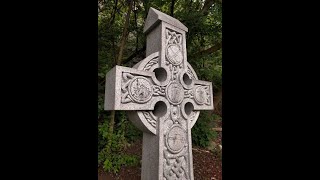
[162, 97]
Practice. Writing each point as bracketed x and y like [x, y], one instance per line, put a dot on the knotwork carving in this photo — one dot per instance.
[126, 77]
[173, 51]
[172, 37]
[175, 166]
[189, 72]
[150, 118]
[159, 90]
[188, 93]
[151, 63]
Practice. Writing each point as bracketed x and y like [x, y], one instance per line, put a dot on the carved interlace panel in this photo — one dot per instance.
[175, 165]
[150, 118]
[151, 63]
[173, 52]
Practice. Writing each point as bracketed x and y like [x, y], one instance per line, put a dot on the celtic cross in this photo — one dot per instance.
[162, 97]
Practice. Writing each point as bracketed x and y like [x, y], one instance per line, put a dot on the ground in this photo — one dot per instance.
[206, 164]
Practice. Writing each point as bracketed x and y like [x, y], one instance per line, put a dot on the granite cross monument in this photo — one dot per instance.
[162, 97]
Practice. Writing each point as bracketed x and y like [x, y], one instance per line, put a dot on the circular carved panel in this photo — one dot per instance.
[175, 93]
[176, 139]
[200, 95]
[140, 89]
[174, 54]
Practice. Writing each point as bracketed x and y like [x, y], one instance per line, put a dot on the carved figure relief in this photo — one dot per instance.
[140, 89]
[175, 113]
[136, 88]
[202, 95]
[175, 93]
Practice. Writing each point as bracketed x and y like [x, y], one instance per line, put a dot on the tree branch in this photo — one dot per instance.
[210, 50]
[217, 99]
[113, 13]
[207, 5]
[135, 54]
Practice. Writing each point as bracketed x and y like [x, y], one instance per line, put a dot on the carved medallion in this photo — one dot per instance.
[201, 95]
[174, 54]
[140, 89]
[176, 138]
[175, 93]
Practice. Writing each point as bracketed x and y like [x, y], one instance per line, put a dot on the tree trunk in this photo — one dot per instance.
[111, 125]
[217, 129]
[122, 45]
[124, 33]
[136, 24]
[172, 8]
[114, 13]
[206, 6]
[217, 103]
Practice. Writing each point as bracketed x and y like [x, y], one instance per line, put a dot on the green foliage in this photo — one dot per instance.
[111, 146]
[132, 133]
[113, 162]
[201, 132]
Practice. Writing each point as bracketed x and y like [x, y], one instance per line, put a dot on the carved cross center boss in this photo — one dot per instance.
[162, 96]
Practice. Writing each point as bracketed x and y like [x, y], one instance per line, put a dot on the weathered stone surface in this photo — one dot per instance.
[155, 17]
[162, 96]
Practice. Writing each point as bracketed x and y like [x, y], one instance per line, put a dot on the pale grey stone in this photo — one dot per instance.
[162, 96]
[155, 17]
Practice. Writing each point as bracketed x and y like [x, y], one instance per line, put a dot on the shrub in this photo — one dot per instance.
[111, 147]
[201, 131]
